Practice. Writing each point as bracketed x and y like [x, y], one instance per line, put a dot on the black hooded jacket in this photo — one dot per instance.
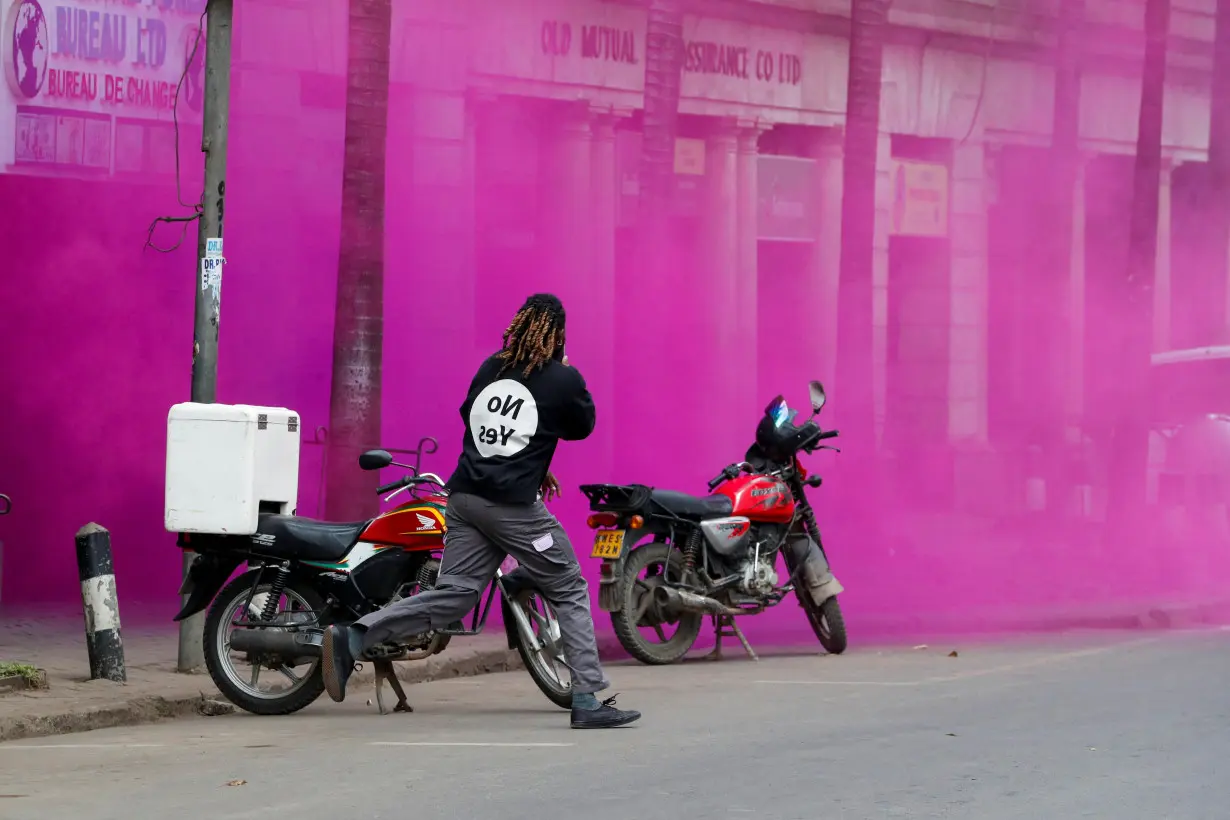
[513, 423]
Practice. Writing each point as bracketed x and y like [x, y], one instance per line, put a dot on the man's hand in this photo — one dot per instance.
[564, 361]
[550, 487]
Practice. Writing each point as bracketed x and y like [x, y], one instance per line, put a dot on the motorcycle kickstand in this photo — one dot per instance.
[385, 674]
[727, 622]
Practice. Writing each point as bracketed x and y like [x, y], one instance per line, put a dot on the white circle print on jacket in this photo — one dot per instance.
[503, 419]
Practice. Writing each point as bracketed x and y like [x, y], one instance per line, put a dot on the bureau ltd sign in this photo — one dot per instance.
[124, 57]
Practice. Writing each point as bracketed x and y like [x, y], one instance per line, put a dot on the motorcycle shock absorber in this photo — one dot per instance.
[690, 548]
[276, 588]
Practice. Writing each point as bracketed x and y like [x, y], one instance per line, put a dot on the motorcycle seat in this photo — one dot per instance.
[692, 506]
[289, 536]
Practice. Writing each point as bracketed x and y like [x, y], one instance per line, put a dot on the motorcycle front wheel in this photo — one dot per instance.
[545, 665]
[826, 621]
[238, 676]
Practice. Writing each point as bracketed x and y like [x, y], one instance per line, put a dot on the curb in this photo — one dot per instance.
[152, 709]
[1142, 616]
[1146, 616]
[149, 709]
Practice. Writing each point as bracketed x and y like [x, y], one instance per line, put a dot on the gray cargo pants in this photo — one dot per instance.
[479, 535]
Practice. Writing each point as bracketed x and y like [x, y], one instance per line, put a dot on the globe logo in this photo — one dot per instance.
[192, 86]
[26, 66]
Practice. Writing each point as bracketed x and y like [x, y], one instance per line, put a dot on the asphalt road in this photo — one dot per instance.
[1111, 726]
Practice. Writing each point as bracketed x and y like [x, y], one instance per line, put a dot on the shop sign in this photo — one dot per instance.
[920, 198]
[784, 187]
[690, 157]
[72, 67]
[689, 185]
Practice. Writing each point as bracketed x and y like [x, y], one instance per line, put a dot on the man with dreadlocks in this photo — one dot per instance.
[523, 400]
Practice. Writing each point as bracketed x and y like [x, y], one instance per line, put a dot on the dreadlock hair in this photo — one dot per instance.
[534, 335]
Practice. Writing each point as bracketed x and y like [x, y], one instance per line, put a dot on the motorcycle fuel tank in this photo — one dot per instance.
[727, 535]
[760, 498]
[417, 525]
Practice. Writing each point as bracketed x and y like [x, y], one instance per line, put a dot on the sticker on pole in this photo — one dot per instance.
[211, 273]
[213, 248]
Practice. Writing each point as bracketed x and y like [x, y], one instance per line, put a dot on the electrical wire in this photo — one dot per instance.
[986, 66]
[199, 208]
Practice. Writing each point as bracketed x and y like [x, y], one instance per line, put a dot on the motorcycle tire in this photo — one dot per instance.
[302, 694]
[628, 633]
[826, 621]
[556, 691]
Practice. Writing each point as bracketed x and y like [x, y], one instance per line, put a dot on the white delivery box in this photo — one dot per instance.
[226, 464]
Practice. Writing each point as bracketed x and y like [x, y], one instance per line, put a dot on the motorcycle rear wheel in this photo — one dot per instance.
[229, 605]
[826, 621]
[626, 623]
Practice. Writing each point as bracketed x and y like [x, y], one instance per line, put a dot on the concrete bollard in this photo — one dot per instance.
[102, 608]
[6, 507]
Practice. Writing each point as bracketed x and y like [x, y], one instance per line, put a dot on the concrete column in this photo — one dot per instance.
[600, 363]
[1075, 405]
[1161, 280]
[826, 252]
[603, 190]
[747, 275]
[720, 212]
[469, 250]
[565, 215]
[720, 317]
[430, 252]
[977, 472]
[879, 281]
[967, 373]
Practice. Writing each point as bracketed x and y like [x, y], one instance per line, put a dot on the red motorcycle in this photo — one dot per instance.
[304, 575]
[716, 555]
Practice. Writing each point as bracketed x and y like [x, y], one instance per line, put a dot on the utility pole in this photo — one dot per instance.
[208, 276]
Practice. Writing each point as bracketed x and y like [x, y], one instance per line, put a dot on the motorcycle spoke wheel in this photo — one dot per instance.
[244, 671]
[646, 615]
[638, 624]
[546, 665]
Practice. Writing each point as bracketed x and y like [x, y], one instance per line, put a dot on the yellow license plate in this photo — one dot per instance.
[608, 544]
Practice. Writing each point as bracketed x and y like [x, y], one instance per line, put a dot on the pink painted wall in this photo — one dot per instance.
[95, 345]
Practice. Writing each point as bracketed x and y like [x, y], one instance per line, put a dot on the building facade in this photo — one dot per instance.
[513, 142]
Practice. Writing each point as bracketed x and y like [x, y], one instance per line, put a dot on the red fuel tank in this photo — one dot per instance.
[415, 525]
[760, 498]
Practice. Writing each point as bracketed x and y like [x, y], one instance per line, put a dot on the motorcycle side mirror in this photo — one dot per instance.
[817, 395]
[375, 460]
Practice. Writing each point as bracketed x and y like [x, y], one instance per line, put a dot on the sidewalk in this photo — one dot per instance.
[154, 690]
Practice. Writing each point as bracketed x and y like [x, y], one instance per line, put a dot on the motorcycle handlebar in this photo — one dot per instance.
[393, 485]
[408, 480]
[729, 472]
[828, 434]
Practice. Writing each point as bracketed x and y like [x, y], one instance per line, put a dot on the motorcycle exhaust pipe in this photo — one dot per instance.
[277, 642]
[670, 599]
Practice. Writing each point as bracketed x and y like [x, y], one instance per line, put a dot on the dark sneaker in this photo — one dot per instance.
[336, 662]
[605, 716]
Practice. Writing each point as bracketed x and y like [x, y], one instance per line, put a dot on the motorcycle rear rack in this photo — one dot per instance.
[617, 498]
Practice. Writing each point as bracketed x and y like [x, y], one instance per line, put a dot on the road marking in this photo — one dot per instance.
[19, 747]
[72, 746]
[975, 673]
[494, 745]
[845, 682]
